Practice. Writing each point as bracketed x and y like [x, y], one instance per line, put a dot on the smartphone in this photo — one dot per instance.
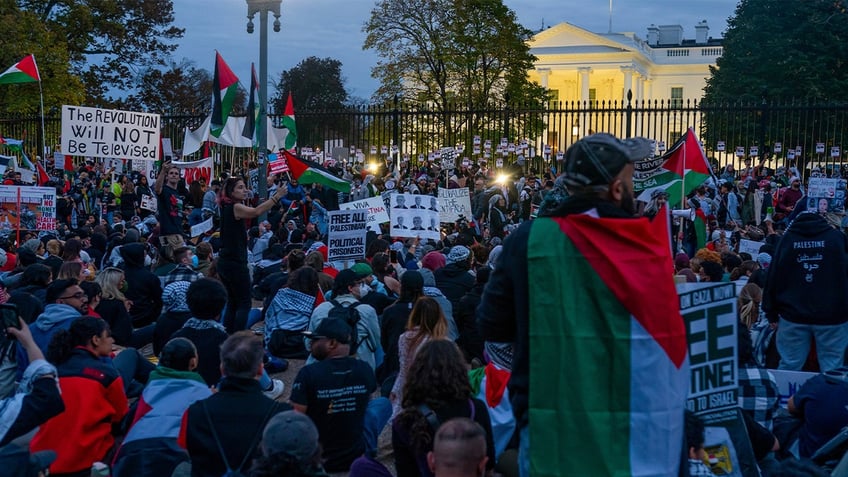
[9, 315]
[393, 256]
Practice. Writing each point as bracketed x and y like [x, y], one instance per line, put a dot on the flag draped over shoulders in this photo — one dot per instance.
[608, 364]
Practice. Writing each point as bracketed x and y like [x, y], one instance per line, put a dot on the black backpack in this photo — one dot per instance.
[350, 316]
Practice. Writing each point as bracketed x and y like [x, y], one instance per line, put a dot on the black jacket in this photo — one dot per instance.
[239, 412]
[469, 340]
[392, 325]
[807, 280]
[454, 282]
[144, 288]
[504, 311]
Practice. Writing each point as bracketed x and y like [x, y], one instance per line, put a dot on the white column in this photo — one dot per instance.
[584, 83]
[628, 80]
[640, 88]
[647, 92]
[544, 73]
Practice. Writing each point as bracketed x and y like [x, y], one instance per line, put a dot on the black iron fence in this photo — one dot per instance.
[781, 133]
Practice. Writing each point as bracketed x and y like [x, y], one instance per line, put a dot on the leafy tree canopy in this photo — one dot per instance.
[315, 84]
[470, 52]
[783, 50]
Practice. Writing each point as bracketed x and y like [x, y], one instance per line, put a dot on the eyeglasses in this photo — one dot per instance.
[77, 296]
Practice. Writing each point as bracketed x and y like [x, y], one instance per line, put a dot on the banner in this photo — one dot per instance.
[415, 215]
[377, 213]
[96, 132]
[453, 203]
[709, 313]
[195, 170]
[346, 235]
[201, 228]
[27, 208]
[277, 165]
[826, 195]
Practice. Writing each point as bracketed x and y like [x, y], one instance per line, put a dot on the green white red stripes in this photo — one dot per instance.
[608, 368]
[309, 172]
[24, 71]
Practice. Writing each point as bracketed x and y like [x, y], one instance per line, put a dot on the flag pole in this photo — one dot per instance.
[43, 133]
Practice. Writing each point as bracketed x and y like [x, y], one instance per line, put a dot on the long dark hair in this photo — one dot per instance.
[79, 334]
[441, 377]
[304, 280]
[226, 196]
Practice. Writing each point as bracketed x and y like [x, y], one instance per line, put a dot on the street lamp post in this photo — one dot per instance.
[263, 7]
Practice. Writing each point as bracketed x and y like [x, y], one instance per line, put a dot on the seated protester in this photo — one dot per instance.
[394, 320]
[175, 313]
[711, 272]
[470, 341]
[373, 292]
[288, 315]
[758, 394]
[35, 280]
[346, 293]
[274, 282]
[433, 292]
[203, 251]
[183, 272]
[488, 384]
[459, 449]
[694, 428]
[37, 398]
[93, 393]
[822, 406]
[114, 306]
[94, 294]
[273, 262]
[144, 289]
[29, 307]
[206, 299]
[440, 391]
[222, 433]
[150, 446]
[315, 260]
[455, 279]
[289, 447]
[349, 430]
[65, 303]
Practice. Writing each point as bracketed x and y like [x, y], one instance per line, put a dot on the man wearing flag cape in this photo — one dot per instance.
[586, 294]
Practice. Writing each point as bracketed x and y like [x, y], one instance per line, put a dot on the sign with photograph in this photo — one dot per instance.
[377, 212]
[415, 215]
[27, 208]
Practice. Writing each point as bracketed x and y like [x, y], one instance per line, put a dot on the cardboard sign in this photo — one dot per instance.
[740, 151]
[277, 165]
[778, 147]
[453, 203]
[750, 246]
[148, 202]
[377, 212]
[826, 195]
[97, 132]
[415, 215]
[27, 208]
[346, 235]
[834, 151]
[721, 146]
[819, 148]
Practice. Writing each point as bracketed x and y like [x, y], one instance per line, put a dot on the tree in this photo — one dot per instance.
[315, 84]
[783, 51]
[109, 42]
[448, 53]
[181, 88]
[23, 33]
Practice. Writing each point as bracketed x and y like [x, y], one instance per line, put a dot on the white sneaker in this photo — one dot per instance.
[277, 388]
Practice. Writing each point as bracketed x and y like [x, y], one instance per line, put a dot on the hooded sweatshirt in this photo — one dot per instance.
[144, 288]
[55, 317]
[807, 281]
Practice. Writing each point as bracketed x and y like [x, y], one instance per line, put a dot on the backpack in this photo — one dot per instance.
[350, 316]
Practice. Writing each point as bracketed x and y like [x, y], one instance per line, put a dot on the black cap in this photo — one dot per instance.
[597, 159]
[333, 329]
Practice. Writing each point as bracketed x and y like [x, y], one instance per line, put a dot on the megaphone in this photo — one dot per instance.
[684, 213]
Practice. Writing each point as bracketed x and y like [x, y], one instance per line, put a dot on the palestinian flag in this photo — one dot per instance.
[311, 172]
[224, 88]
[608, 358]
[24, 71]
[13, 144]
[700, 224]
[683, 169]
[252, 121]
[289, 125]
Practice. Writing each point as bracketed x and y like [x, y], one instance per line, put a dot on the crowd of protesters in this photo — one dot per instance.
[162, 343]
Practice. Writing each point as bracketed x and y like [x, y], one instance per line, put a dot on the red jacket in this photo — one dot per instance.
[94, 398]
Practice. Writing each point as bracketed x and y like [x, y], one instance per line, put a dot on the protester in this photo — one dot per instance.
[394, 320]
[533, 288]
[93, 393]
[170, 209]
[222, 433]
[289, 313]
[290, 447]
[459, 449]
[232, 259]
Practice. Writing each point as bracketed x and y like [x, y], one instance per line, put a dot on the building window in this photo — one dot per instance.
[676, 97]
[553, 99]
[673, 136]
[593, 97]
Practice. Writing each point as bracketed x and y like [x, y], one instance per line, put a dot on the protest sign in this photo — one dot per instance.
[826, 195]
[749, 246]
[148, 202]
[195, 170]
[201, 228]
[415, 215]
[377, 211]
[100, 132]
[709, 313]
[453, 203]
[789, 382]
[346, 235]
[27, 208]
[277, 165]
